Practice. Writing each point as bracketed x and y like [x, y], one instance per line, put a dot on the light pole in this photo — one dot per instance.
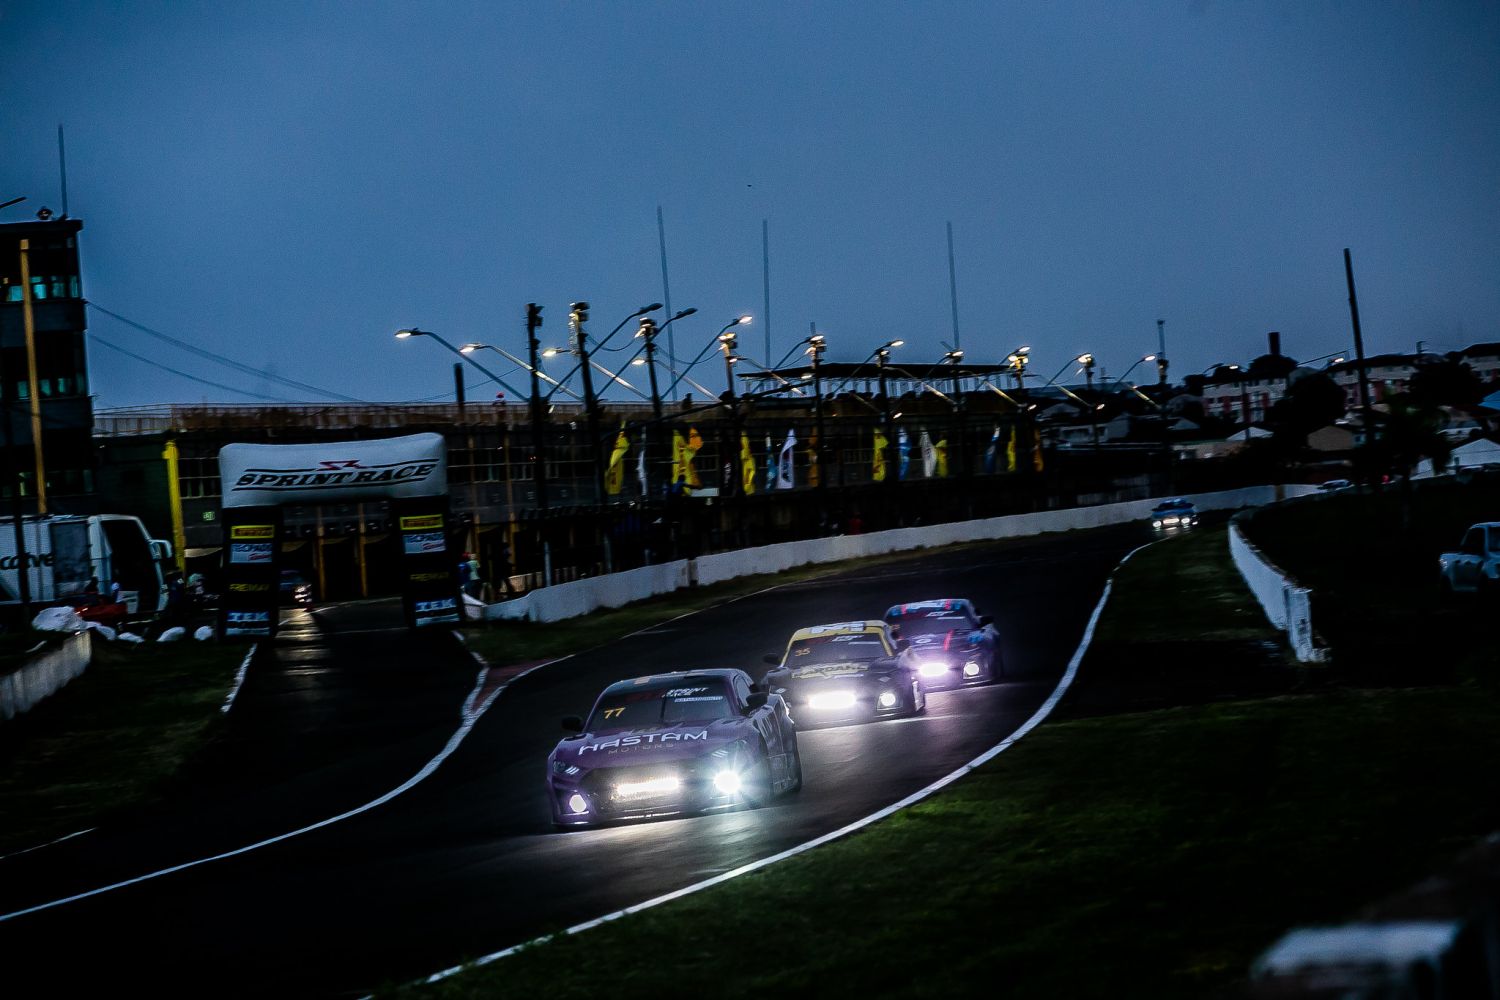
[410, 332]
[1088, 375]
[1018, 360]
[954, 358]
[728, 343]
[1137, 362]
[524, 366]
[882, 356]
[816, 346]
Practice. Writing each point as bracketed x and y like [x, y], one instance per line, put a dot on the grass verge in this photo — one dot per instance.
[1152, 854]
[112, 738]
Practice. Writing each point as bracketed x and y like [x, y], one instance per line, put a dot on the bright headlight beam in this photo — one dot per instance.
[727, 782]
[887, 699]
[578, 803]
[831, 700]
[933, 669]
[652, 786]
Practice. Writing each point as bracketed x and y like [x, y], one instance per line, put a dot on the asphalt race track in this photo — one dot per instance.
[347, 705]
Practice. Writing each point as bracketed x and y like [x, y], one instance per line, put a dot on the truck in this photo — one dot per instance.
[63, 553]
[1475, 567]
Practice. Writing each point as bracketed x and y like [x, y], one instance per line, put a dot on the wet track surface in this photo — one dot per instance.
[344, 708]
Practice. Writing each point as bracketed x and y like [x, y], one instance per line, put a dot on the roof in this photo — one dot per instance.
[723, 673]
[838, 628]
[940, 604]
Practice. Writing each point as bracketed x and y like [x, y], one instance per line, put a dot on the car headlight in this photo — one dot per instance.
[933, 668]
[1156, 524]
[887, 699]
[831, 700]
[728, 782]
[651, 786]
[971, 669]
[563, 767]
[577, 804]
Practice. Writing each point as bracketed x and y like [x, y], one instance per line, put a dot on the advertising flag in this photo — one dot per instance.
[694, 445]
[903, 451]
[929, 455]
[1036, 450]
[640, 465]
[770, 464]
[786, 472]
[614, 477]
[747, 465]
[877, 457]
[942, 458]
[1010, 452]
[812, 460]
[991, 455]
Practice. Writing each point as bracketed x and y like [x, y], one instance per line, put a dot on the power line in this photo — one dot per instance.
[228, 362]
[95, 338]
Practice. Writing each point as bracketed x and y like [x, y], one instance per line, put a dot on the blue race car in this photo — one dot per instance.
[1178, 512]
[952, 644]
[684, 742]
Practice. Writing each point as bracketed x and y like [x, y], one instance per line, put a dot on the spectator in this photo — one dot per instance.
[475, 587]
[464, 573]
[114, 591]
[503, 570]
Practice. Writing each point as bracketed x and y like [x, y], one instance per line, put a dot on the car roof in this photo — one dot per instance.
[1175, 502]
[716, 673]
[942, 604]
[839, 628]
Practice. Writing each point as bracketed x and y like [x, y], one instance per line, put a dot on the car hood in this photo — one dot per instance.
[652, 744]
[952, 640]
[815, 672]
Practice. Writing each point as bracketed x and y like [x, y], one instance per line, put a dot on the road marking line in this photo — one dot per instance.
[38, 847]
[1036, 719]
[239, 679]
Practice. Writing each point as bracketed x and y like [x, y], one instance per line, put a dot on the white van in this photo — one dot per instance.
[64, 552]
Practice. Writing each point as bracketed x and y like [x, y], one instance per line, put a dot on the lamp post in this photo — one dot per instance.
[956, 444]
[1137, 362]
[1088, 375]
[882, 356]
[410, 332]
[536, 373]
[1018, 360]
[817, 344]
[728, 343]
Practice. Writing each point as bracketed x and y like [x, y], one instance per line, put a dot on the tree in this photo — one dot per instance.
[1407, 433]
[1449, 382]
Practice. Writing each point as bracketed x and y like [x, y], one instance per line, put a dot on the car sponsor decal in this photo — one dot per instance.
[830, 670]
[647, 739]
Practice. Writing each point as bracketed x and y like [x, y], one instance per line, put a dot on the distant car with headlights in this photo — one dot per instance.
[685, 742]
[953, 645]
[295, 591]
[1174, 513]
[847, 672]
[1335, 485]
[1475, 567]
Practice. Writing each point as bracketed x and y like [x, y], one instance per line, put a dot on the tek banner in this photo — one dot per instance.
[252, 578]
[429, 566]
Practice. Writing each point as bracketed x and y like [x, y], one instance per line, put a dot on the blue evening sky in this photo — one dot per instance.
[288, 183]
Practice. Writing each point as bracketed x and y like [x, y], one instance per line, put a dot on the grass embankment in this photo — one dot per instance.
[1145, 854]
[112, 738]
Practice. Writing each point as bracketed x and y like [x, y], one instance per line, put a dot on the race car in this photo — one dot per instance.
[953, 644]
[1177, 512]
[846, 672]
[685, 742]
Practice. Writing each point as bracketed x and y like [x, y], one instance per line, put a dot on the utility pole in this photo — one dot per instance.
[1088, 376]
[956, 444]
[1359, 350]
[538, 407]
[577, 316]
[818, 345]
[728, 343]
[1161, 354]
[29, 324]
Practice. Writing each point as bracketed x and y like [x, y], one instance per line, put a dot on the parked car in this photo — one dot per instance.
[1475, 567]
[1334, 485]
[1174, 513]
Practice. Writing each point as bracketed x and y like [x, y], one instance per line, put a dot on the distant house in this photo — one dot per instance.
[1480, 451]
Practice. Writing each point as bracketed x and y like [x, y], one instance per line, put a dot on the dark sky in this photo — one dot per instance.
[287, 183]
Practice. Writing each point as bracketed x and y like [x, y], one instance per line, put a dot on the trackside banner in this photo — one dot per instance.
[256, 475]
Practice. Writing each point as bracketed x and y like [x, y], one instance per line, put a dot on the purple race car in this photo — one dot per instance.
[691, 741]
[953, 645]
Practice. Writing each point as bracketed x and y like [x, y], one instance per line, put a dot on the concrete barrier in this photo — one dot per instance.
[579, 597]
[1287, 605]
[44, 675]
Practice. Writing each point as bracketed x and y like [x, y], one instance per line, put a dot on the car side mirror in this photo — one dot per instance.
[986, 620]
[756, 686]
[572, 724]
[902, 645]
[772, 659]
[756, 700]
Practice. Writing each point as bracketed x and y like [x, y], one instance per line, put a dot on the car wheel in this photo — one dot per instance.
[918, 699]
[796, 785]
[760, 790]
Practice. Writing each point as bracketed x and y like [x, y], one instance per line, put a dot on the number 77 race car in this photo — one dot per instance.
[684, 742]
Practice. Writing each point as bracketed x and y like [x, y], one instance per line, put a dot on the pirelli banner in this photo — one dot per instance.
[252, 582]
[428, 563]
[257, 475]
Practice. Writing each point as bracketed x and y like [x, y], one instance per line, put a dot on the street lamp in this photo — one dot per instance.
[1018, 360]
[410, 332]
[468, 349]
[1139, 361]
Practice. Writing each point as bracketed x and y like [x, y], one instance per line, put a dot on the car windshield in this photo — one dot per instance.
[693, 700]
[1173, 507]
[933, 621]
[854, 647]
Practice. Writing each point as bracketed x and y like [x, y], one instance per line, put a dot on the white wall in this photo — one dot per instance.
[579, 597]
[44, 675]
[1286, 604]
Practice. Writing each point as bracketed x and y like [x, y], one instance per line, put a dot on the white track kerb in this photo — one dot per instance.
[1037, 718]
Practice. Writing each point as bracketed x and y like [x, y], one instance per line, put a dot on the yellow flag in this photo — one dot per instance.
[680, 457]
[877, 458]
[942, 458]
[614, 477]
[1036, 450]
[1010, 452]
[694, 443]
[747, 465]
